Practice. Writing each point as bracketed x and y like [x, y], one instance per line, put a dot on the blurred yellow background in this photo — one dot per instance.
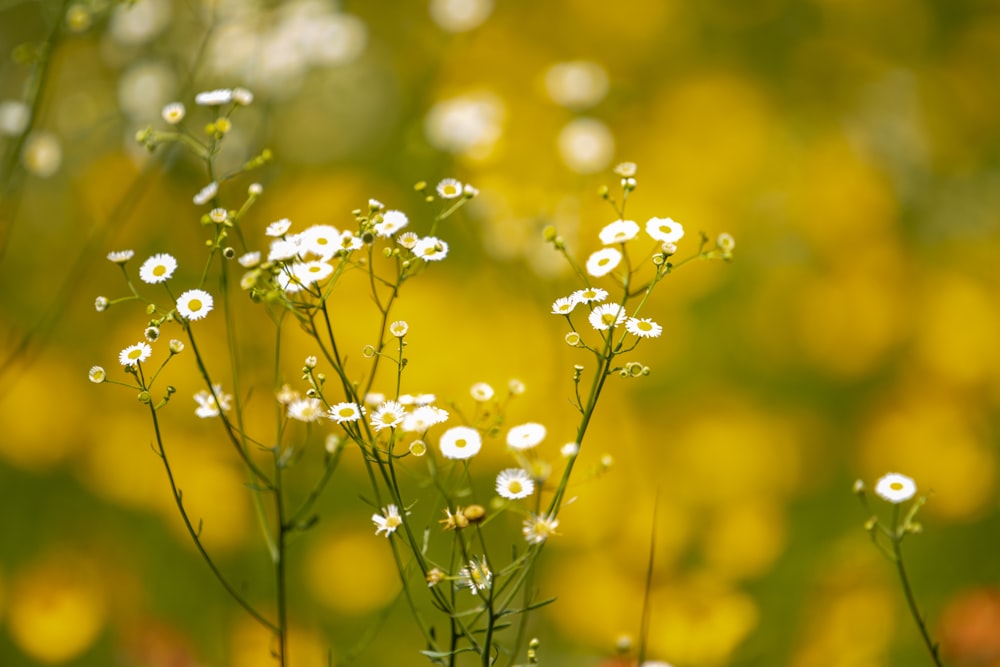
[852, 148]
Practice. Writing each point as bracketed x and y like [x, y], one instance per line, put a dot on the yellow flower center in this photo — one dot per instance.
[194, 305]
[514, 486]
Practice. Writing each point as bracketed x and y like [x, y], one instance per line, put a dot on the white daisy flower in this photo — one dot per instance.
[570, 449]
[346, 412]
[282, 250]
[375, 205]
[307, 273]
[449, 188]
[101, 304]
[134, 354]
[278, 228]
[388, 521]
[424, 417]
[320, 240]
[460, 442]
[643, 328]
[158, 268]
[665, 230]
[538, 527]
[431, 249]
[515, 483]
[399, 328]
[481, 392]
[97, 374]
[590, 295]
[348, 241]
[242, 96]
[194, 304]
[626, 169]
[470, 191]
[726, 242]
[515, 387]
[408, 240]
[250, 259]
[388, 415]
[603, 262]
[391, 222]
[564, 305]
[525, 436]
[424, 399]
[619, 231]
[120, 256]
[606, 316]
[173, 113]
[214, 98]
[476, 576]
[218, 215]
[306, 410]
[206, 193]
[895, 488]
[208, 406]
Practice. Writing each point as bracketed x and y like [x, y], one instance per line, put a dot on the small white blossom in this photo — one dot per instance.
[460, 442]
[194, 304]
[514, 483]
[134, 354]
[214, 98]
[388, 521]
[208, 406]
[895, 488]
[603, 262]
[665, 230]
[449, 188]
[158, 268]
[173, 113]
[606, 316]
[206, 194]
[619, 231]
[525, 436]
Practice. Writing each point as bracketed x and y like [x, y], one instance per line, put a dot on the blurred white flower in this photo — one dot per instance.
[579, 84]
[460, 15]
[468, 124]
[586, 145]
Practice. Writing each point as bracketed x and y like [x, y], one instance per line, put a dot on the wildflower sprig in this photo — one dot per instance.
[897, 490]
[410, 444]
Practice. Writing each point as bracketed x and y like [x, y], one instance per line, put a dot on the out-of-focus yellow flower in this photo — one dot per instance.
[744, 539]
[941, 445]
[57, 608]
[253, 645]
[848, 321]
[30, 439]
[959, 326]
[351, 572]
[852, 616]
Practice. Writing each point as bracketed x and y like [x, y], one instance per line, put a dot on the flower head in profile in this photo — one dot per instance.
[525, 436]
[134, 354]
[514, 483]
[206, 194]
[590, 295]
[476, 576]
[664, 230]
[481, 392]
[97, 374]
[564, 305]
[603, 262]
[423, 417]
[619, 231]
[214, 98]
[388, 521]
[346, 412]
[278, 228]
[431, 249]
[392, 222]
[643, 328]
[895, 488]
[399, 328]
[211, 403]
[194, 304]
[606, 316]
[388, 415]
[460, 442]
[157, 269]
[306, 410]
[538, 527]
[120, 256]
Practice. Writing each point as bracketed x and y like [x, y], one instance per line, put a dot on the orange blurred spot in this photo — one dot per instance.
[970, 628]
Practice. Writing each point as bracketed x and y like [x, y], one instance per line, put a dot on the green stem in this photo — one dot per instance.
[911, 602]
[195, 533]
